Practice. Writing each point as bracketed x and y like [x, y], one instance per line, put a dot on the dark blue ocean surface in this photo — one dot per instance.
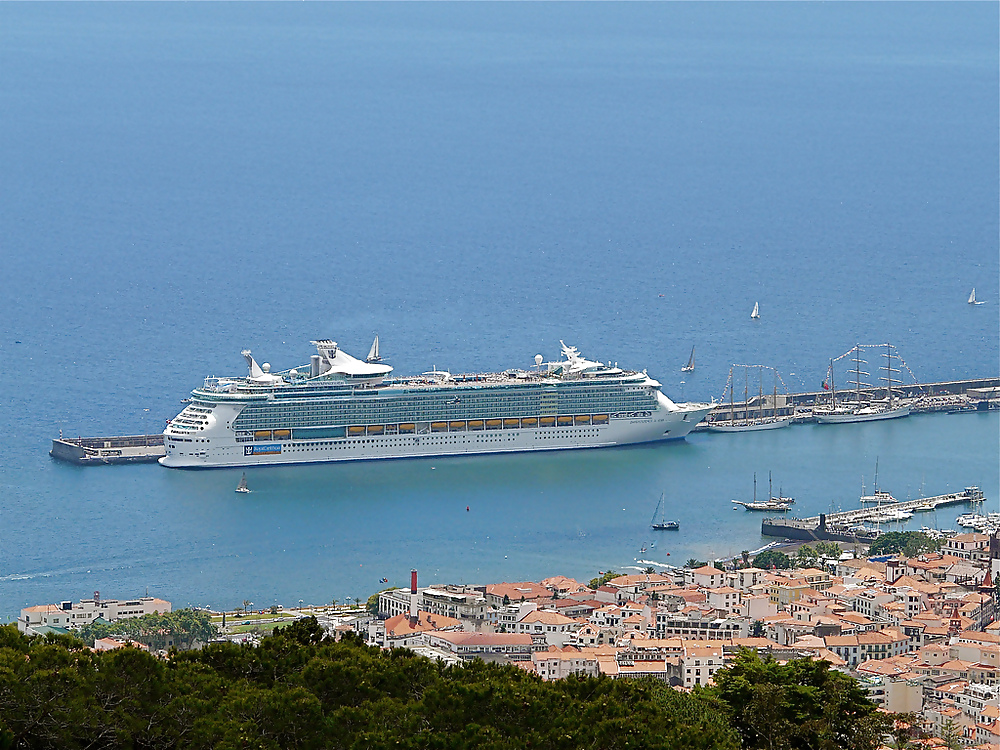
[475, 182]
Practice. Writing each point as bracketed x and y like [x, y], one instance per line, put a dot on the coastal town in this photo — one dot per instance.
[919, 633]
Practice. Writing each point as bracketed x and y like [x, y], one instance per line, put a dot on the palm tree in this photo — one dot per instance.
[246, 606]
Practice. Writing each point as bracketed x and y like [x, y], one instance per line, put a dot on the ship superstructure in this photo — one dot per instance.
[340, 408]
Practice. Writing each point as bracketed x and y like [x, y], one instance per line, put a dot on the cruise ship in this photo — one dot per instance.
[341, 408]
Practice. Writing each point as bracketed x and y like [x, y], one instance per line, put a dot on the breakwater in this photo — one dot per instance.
[848, 526]
[123, 449]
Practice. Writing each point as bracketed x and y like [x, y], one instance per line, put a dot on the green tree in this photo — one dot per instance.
[772, 559]
[904, 731]
[801, 704]
[829, 550]
[805, 556]
[693, 563]
[596, 583]
[909, 543]
[181, 629]
[757, 629]
[951, 735]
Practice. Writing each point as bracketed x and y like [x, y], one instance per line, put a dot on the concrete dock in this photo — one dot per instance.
[981, 394]
[842, 527]
[124, 449]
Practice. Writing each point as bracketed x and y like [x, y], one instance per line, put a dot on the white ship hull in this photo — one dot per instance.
[223, 450]
[774, 424]
[861, 415]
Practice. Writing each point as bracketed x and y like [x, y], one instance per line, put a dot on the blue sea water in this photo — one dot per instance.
[475, 182]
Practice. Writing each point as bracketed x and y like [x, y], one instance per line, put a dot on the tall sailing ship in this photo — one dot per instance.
[340, 408]
[752, 418]
[857, 409]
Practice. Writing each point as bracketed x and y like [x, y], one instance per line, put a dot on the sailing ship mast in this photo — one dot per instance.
[889, 370]
[833, 388]
[857, 373]
[732, 408]
[760, 393]
[373, 355]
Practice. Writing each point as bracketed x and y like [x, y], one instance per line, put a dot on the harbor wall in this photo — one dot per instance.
[124, 449]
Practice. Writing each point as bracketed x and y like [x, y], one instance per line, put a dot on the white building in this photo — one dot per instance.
[70, 616]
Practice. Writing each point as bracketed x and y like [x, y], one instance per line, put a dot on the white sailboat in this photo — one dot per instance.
[242, 486]
[756, 311]
[972, 298]
[689, 367]
[373, 355]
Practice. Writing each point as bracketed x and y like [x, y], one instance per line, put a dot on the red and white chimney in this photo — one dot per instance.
[413, 597]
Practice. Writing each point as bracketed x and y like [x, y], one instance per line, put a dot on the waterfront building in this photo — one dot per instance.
[68, 615]
[403, 630]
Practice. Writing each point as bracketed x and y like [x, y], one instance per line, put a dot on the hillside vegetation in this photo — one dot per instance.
[299, 690]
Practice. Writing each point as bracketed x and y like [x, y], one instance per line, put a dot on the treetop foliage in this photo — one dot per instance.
[802, 704]
[772, 559]
[596, 583]
[180, 629]
[909, 543]
[301, 690]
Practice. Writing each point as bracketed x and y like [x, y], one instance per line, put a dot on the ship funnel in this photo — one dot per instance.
[314, 366]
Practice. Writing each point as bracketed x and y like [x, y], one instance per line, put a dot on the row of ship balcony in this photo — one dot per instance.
[421, 428]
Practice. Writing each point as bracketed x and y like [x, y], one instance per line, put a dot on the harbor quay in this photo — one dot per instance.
[979, 394]
[849, 525]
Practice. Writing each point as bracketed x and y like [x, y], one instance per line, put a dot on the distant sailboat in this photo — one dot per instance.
[972, 298]
[756, 311]
[373, 355]
[242, 486]
[659, 523]
[689, 367]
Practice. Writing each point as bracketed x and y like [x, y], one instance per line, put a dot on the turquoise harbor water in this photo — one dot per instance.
[476, 182]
